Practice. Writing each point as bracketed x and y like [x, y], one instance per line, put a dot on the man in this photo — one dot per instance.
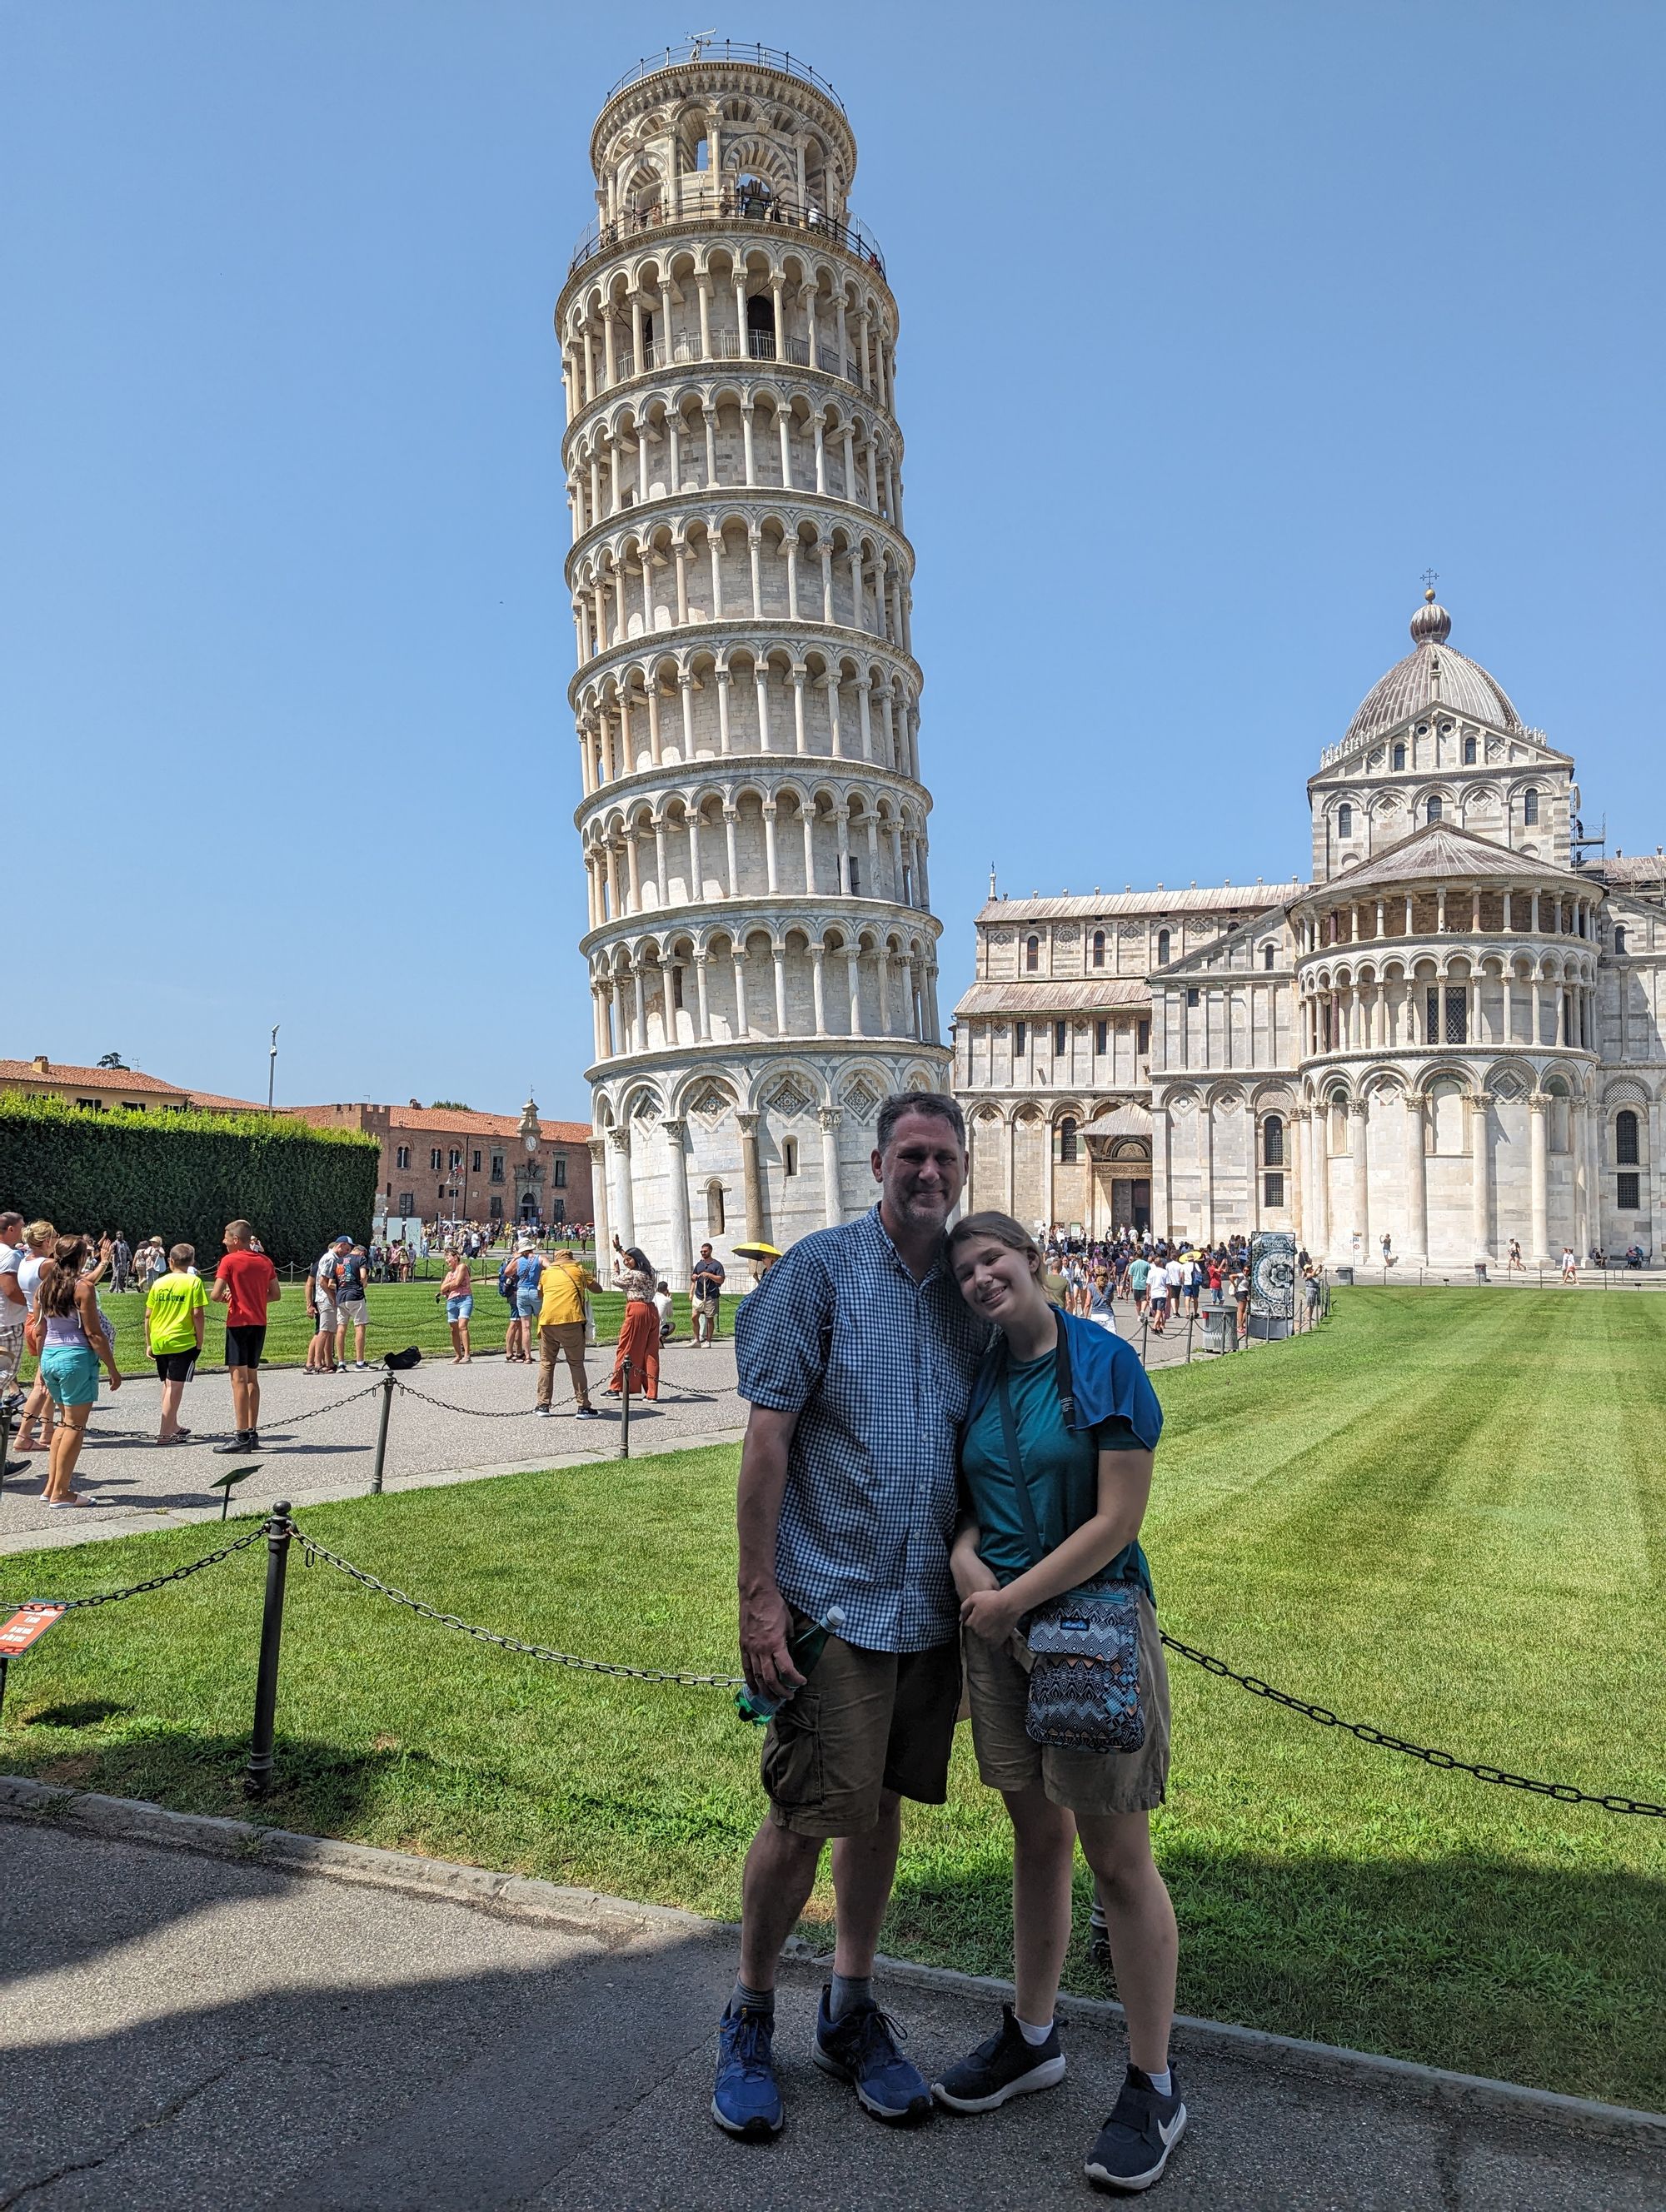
[245, 1283]
[1156, 1295]
[857, 1354]
[352, 1308]
[121, 1260]
[707, 1293]
[13, 1312]
[323, 1281]
[175, 1308]
[562, 1282]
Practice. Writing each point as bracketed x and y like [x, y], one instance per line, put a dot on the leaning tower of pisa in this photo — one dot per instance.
[761, 952]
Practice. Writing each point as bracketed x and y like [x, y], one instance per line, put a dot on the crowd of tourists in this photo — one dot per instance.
[50, 1306]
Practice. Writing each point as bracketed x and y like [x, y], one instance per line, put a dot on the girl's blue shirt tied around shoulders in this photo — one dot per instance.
[1110, 1406]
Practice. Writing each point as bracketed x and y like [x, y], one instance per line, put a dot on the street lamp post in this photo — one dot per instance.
[271, 1068]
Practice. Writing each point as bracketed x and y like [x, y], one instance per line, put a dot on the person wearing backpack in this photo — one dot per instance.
[1064, 1672]
[515, 1335]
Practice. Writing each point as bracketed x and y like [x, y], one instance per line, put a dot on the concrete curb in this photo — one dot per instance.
[615, 1922]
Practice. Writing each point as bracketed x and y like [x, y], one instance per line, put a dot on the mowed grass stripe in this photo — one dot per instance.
[1440, 1514]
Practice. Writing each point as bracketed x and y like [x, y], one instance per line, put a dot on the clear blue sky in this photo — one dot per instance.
[1219, 322]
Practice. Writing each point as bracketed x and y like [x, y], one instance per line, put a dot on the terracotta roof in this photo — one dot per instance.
[102, 1079]
[1068, 995]
[437, 1118]
[1441, 848]
[441, 1121]
[210, 1102]
[1210, 898]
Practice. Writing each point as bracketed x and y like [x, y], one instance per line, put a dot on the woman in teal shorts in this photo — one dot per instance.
[74, 1349]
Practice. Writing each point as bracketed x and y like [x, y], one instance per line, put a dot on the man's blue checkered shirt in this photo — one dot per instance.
[879, 1370]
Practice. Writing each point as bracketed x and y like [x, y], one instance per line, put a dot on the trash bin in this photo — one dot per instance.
[1221, 1330]
[1345, 1275]
[1481, 1271]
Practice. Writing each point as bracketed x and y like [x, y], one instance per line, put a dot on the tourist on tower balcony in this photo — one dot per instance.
[1056, 1460]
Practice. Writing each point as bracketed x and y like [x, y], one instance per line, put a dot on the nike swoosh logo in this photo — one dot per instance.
[1172, 2130]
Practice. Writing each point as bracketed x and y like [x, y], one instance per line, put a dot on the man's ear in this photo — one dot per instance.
[875, 1160]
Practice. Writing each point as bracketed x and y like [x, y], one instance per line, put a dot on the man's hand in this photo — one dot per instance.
[765, 1626]
[991, 1615]
[969, 1572]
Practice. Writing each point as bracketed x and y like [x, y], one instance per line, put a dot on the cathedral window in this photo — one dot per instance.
[1468, 752]
[1273, 1193]
[1020, 1031]
[789, 1155]
[1144, 1041]
[1271, 1141]
[1067, 1142]
[1619, 937]
[1345, 820]
[1529, 809]
[1625, 1139]
[1433, 813]
[1058, 1040]
[1101, 1037]
[1266, 956]
[1098, 948]
[713, 1208]
[1628, 1193]
[1162, 948]
[1191, 994]
[1032, 955]
[1399, 757]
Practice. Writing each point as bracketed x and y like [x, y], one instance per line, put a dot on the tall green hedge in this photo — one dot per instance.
[185, 1175]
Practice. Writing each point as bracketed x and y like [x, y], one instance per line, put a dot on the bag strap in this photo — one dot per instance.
[1009, 1430]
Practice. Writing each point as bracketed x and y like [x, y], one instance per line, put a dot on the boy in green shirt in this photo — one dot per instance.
[175, 1308]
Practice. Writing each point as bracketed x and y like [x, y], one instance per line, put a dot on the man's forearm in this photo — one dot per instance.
[757, 1508]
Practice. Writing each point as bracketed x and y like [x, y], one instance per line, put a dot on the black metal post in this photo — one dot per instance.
[624, 1411]
[257, 1774]
[381, 1434]
[4, 1663]
[1191, 1323]
[1145, 1334]
[5, 1469]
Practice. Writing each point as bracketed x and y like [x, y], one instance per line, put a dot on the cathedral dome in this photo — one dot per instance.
[1432, 674]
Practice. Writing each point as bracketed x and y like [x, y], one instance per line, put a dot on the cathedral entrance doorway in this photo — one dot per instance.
[1121, 1184]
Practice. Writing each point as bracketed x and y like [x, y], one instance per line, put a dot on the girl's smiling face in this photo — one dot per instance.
[995, 1280]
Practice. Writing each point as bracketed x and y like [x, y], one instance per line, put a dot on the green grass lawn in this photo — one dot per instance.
[1445, 1514]
[400, 1314]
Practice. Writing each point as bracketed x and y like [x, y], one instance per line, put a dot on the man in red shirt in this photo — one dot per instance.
[245, 1283]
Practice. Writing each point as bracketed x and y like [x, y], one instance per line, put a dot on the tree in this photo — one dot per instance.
[450, 1106]
[112, 1060]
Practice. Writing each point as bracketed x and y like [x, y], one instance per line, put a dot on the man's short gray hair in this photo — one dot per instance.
[935, 1103]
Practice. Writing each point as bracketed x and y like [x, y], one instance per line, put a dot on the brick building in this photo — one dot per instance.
[444, 1163]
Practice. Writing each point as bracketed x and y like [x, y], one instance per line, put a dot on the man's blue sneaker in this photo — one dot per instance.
[745, 2099]
[861, 2049]
[1135, 2142]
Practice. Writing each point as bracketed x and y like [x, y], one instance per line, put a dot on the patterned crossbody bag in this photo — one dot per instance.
[1084, 1643]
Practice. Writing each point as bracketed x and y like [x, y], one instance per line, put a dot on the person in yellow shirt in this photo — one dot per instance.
[561, 1287]
[175, 1308]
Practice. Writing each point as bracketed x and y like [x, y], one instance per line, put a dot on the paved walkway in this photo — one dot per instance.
[318, 1438]
[182, 2031]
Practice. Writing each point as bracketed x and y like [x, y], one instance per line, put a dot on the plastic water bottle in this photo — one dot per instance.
[803, 1649]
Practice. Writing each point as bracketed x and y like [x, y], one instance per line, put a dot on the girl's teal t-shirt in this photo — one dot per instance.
[1063, 1469]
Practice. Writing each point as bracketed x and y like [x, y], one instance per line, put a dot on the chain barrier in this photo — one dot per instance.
[316, 1551]
[333, 1406]
[1564, 1792]
[156, 1581]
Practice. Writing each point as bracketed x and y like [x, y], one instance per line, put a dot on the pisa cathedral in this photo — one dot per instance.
[761, 954]
[1451, 1035]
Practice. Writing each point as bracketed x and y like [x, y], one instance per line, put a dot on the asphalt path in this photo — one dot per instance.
[180, 2031]
[318, 1437]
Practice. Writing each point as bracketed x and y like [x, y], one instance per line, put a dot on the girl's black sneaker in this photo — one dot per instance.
[1005, 2065]
[1135, 2142]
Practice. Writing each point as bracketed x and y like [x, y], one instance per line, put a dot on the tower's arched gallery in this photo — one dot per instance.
[762, 957]
[1450, 1036]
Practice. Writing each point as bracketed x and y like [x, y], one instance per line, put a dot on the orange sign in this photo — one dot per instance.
[27, 1626]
